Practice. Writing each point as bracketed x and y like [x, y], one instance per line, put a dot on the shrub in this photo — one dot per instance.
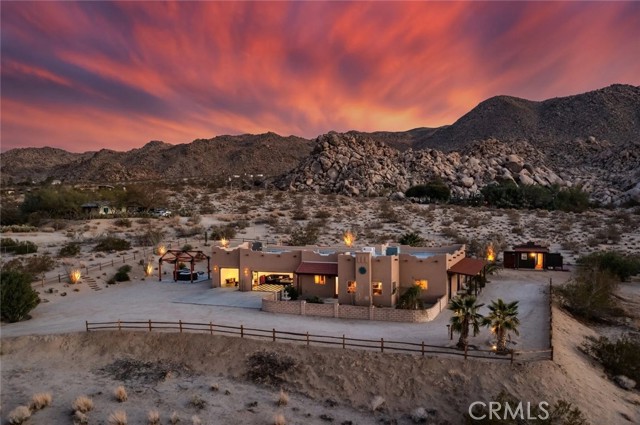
[122, 222]
[174, 418]
[31, 266]
[315, 300]
[195, 420]
[69, 250]
[304, 236]
[198, 402]
[619, 357]
[435, 190]
[19, 415]
[121, 276]
[18, 247]
[18, 297]
[119, 417]
[111, 243]
[82, 404]
[121, 394]
[589, 294]
[283, 399]
[153, 417]
[187, 247]
[80, 418]
[291, 292]
[411, 239]
[267, 367]
[410, 300]
[40, 401]
[621, 265]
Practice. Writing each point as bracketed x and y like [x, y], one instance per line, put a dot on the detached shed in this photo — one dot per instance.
[532, 256]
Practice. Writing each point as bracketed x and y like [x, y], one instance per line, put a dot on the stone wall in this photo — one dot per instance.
[343, 311]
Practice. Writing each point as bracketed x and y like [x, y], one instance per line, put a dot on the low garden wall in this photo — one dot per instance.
[343, 311]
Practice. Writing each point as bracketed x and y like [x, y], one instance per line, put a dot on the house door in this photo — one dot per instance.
[539, 261]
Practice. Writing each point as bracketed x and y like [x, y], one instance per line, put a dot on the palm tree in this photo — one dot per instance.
[411, 239]
[465, 314]
[502, 319]
[410, 300]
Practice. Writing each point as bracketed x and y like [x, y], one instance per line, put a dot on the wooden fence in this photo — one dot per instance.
[344, 342]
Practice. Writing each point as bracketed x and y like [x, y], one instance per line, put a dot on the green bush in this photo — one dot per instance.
[411, 239]
[507, 194]
[619, 357]
[291, 292]
[315, 300]
[70, 250]
[111, 243]
[121, 277]
[590, 294]
[16, 247]
[18, 297]
[435, 190]
[621, 265]
[31, 266]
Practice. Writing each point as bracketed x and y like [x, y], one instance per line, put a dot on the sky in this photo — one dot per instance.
[89, 75]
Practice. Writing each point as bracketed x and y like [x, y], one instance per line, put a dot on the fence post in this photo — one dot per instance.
[86, 324]
[112, 262]
[343, 342]
[210, 328]
[274, 334]
[180, 323]
[149, 325]
[123, 257]
[59, 280]
[119, 325]
[100, 266]
[465, 351]
[382, 345]
[307, 339]
[241, 331]
[422, 348]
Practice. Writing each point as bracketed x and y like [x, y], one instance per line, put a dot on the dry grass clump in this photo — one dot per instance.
[40, 401]
[119, 417]
[214, 387]
[82, 404]
[121, 394]
[80, 418]
[195, 420]
[153, 417]
[279, 419]
[283, 399]
[377, 403]
[174, 418]
[19, 415]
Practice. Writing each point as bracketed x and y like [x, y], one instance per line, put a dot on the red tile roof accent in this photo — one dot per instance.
[468, 266]
[316, 267]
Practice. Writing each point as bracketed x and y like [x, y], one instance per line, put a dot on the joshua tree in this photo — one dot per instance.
[465, 314]
[502, 319]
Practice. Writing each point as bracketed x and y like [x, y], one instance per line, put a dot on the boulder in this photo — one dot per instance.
[625, 382]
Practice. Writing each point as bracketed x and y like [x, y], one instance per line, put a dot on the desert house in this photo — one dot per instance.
[101, 208]
[366, 276]
[532, 256]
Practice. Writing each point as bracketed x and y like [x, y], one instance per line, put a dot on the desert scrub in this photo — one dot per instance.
[195, 420]
[40, 401]
[120, 394]
[198, 402]
[80, 418]
[174, 418]
[279, 419]
[69, 250]
[17, 296]
[122, 222]
[153, 417]
[267, 367]
[283, 399]
[19, 415]
[82, 404]
[119, 417]
[111, 243]
[618, 357]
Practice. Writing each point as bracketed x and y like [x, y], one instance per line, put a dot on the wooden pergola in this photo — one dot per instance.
[177, 256]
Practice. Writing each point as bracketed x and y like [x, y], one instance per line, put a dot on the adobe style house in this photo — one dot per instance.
[366, 276]
[532, 256]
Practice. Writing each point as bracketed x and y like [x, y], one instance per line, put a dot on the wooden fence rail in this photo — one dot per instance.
[307, 339]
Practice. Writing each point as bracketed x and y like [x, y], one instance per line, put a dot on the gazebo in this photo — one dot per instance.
[177, 256]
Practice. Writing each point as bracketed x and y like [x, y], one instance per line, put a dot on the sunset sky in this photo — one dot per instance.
[89, 75]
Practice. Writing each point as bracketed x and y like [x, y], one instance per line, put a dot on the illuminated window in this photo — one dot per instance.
[319, 279]
[351, 287]
[422, 283]
[377, 288]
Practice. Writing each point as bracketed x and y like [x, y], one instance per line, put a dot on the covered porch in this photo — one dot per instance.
[468, 273]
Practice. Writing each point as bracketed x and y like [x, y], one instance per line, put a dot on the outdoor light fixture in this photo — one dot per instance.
[349, 238]
[491, 255]
[74, 276]
[161, 249]
[148, 269]
[215, 268]
[246, 271]
[224, 242]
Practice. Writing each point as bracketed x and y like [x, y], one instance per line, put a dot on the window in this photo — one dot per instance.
[351, 287]
[377, 288]
[422, 283]
[523, 256]
[320, 279]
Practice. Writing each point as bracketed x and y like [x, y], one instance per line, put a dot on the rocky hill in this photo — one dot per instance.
[268, 154]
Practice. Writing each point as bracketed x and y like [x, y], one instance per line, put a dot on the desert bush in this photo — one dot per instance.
[19, 415]
[214, 387]
[314, 300]
[620, 265]
[122, 222]
[185, 232]
[120, 394]
[17, 295]
[322, 214]
[198, 402]
[590, 294]
[195, 420]
[435, 190]
[40, 401]
[69, 250]
[187, 247]
[119, 417]
[31, 266]
[80, 418]
[219, 232]
[153, 417]
[174, 419]
[411, 239]
[291, 292]
[82, 404]
[267, 367]
[283, 399]
[18, 247]
[150, 237]
[410, 300]
[618, 357]
[112, 243]
[301, 236]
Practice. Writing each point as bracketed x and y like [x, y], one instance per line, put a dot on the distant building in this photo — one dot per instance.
[532, 256]
[101, 208]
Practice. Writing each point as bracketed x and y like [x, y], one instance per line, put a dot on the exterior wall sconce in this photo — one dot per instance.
[246, 271]
[215, 268]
